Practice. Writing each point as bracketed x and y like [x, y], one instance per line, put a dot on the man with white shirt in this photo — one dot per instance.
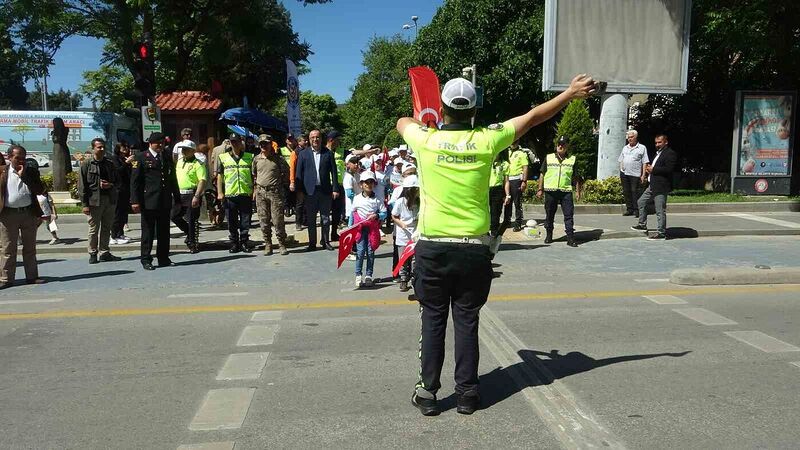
[632, 162]
[20, 214]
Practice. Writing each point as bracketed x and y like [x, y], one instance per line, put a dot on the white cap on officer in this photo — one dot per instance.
[459, 93]
[187, 144]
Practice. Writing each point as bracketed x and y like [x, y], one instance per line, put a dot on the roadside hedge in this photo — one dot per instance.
[603, 191]
[72, 183]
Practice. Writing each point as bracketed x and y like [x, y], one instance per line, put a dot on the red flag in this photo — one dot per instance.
[408, 252]
[425, 95]
[347, 238]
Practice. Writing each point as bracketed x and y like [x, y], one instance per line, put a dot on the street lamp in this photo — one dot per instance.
[408, 27]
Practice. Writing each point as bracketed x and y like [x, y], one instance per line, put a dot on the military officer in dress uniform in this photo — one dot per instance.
[154, 192]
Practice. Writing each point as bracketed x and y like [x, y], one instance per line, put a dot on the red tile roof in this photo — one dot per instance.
[187, 101]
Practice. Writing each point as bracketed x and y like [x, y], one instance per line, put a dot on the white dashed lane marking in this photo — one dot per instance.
[223, 409]
[665, 299]
[210, 295]
[763, 342]
[762, 219]
[257, 335]
[704, 316]
[265, 316]
[243, 366]
[36, 300]
[209, 446]
[795, 363]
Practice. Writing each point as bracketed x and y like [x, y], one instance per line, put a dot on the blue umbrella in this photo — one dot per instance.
[241, 131]
[253, 118]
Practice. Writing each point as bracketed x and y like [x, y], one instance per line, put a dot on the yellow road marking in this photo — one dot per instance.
[173, 310]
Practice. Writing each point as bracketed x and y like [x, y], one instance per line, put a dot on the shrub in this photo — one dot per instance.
[603, 191]
[72, 183]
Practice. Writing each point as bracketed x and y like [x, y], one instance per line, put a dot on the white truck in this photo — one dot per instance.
[33, 130]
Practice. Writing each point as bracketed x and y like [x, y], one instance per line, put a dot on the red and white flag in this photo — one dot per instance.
[425, 96]
[347, 238]
[408, 252]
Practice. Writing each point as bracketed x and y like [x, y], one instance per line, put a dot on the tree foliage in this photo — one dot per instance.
[13, 94]
[317, 111]
[381, 94]
[504, 39]
[577, 124]
[56, 101]
[752, 45]
[106, 88]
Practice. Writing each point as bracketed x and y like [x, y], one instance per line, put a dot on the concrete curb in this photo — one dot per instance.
[745, 207]
[735, 276]
[44, 249]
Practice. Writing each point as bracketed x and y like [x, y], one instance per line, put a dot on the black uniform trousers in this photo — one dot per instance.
[551, 201]
[121, 214]
[239, 211]
[155, 224]
[458, 277]
[189, 219]
[631, 190]
[318, 202]
[300, 208]
[516, 198]
[497, 196]
[337, 210]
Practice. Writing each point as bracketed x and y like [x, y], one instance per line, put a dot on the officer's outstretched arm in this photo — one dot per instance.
[582, 86]
[404, 122]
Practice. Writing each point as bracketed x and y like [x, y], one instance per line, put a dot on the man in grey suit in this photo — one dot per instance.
[316, 176]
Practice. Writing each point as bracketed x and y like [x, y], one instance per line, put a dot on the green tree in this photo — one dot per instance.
[106, 88]
[577, 124]
[381, 95]
[13, 94]
[504, 39]
[317, 111]
[56, 101]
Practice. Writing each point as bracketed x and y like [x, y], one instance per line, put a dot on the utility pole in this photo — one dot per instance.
[612, 127]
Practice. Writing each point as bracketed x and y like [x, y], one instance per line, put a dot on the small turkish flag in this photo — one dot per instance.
[425, 95]
[408, 252]
[347, 238]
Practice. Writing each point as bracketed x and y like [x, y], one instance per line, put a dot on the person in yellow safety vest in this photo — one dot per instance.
[235, 190]
[452, 250]
[517, 180]
[338, 205]
[192, 179]
[558, 176]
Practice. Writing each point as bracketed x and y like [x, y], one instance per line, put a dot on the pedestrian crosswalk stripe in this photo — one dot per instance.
[31, 301]
[257, 335]
[243, 366]
[209, 446]
[763, 342]
[265, 316]
[704, 316]
[223, 409]
[665, 299]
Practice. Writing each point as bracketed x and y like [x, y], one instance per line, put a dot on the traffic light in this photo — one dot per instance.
[144, 76]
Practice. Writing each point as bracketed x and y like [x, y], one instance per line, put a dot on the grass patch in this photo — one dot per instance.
[64, 209]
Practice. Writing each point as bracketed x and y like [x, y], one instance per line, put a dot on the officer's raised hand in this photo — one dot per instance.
[582, 86]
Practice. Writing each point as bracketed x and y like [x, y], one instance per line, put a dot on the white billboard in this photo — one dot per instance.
[637, 46]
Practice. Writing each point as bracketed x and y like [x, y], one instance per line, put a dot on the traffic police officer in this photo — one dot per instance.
[235, 189]
[452, 251]
[556, 185]
[192, 179]
[154, 191]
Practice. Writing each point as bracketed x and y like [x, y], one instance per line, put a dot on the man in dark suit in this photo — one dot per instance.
[659, 175]
[154, 191]
[20, 215]
[317, 177]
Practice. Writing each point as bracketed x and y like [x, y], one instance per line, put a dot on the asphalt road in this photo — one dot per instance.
[579, 347]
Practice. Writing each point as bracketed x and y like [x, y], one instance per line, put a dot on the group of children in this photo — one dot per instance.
[366, 184]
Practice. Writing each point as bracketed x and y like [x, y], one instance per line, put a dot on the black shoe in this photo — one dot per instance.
[246, 247]
[194, 249]
[404, 286]
[571, 242]
[627, 213]
[311, 248]
[639, 228]
[93, 258]
[165, 263]
[657, 237]
[427, 406]
[147, 265]
[108, 257]
[328, 246]
[234, 248]
[548, 239]
[517, 228]
[335, 237]
[468, 403]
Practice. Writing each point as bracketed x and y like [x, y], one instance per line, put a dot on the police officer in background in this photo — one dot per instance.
[452, 253]
[235, 190]
[556, 186]
[154, 191]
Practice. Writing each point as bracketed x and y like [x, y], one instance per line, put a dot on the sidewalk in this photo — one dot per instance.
[588, 227]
